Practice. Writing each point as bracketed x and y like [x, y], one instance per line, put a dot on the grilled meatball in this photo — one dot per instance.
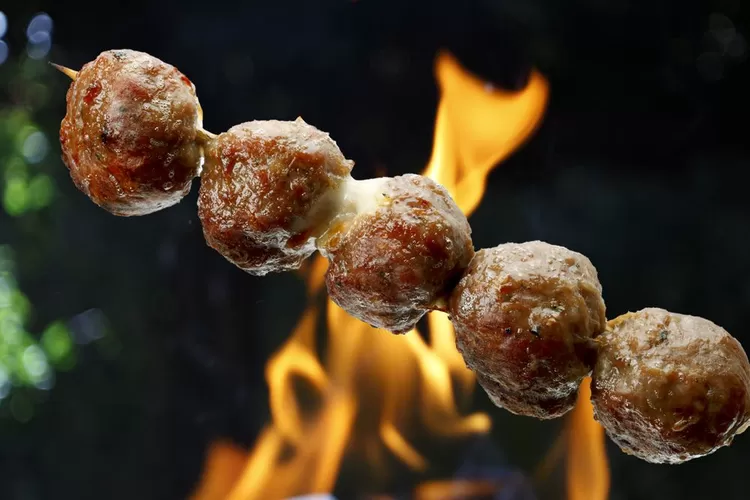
[129, 133]
[524, 316]
[268, 188]
[668, 387]
[398, 252]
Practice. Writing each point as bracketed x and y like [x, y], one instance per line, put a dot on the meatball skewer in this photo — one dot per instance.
[529, 318]
[273, 192]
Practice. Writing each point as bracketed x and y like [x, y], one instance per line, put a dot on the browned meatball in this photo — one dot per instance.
[400, 254]
[668, 387]
[268, 188]
[129, 134]
[524, 316]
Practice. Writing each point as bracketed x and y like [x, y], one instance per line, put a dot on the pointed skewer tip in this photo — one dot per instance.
[70, 73]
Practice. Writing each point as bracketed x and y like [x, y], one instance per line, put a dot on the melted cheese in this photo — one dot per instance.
[361, 197]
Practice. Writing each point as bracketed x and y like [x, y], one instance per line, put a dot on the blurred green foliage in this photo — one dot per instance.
[26, 187]
[28, 361]
[24, 148]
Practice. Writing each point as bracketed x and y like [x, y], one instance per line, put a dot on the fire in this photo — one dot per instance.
[588, 470]
[380, 398]
[478, 126]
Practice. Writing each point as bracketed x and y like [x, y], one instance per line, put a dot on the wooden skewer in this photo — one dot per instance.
[205, 135]
[71, 73]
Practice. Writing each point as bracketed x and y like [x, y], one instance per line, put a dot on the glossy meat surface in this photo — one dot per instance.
[399, 254]
[669, 387]
[129, 134]
[524, 316]
[268, 189]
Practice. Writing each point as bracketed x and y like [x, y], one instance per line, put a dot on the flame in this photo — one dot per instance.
[454, 489]
[381, 398]
[222, 469]
[477, 126]
[587, 466]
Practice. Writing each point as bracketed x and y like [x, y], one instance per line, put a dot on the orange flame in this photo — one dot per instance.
[588, 469]
[477, 126]
[381, 397]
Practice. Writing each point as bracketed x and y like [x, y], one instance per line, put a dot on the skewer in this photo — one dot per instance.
[71, 73]
[649, 433]
[205, 136]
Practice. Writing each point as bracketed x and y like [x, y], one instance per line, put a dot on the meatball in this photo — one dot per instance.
[525, 315]
[268, 188]
[129, 133]
[669, 387]
[398, 252]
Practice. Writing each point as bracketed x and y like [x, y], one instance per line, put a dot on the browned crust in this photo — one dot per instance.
[524, 316]
[392, 265]
[129, 134]
[260, 188]
[670, 387]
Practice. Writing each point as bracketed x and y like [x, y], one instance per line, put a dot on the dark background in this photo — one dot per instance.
[639, 164]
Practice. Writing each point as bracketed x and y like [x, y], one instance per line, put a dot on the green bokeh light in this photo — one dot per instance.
[57, 343]
[41, 191]
[15, 196]
[25, 159]
[22, 134]
[27, 362]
